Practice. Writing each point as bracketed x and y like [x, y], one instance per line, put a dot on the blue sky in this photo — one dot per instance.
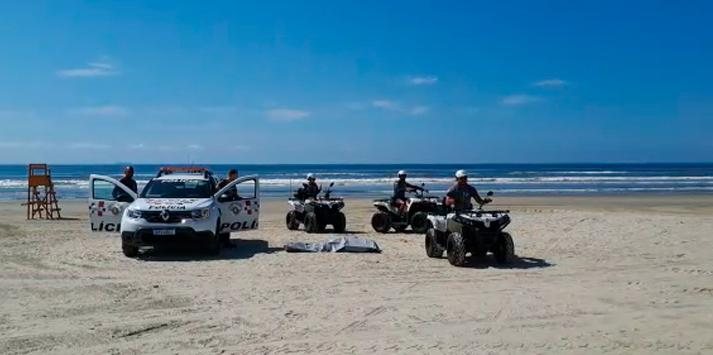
[356, 82]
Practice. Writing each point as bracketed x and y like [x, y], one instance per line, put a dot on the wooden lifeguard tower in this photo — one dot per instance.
[41, 197]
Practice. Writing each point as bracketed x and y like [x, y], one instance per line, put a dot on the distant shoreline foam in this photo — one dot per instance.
[71, 181]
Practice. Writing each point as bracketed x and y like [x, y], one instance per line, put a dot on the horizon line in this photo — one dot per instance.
[402, 163]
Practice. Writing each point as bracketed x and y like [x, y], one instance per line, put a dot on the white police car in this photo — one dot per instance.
[179, 205]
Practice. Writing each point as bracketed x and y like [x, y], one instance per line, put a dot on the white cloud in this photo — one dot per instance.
[550, 83]
[393, 106]
[194, 147]
[385, 104]
[286, 114]
[518, 100]
[422, 80]
[107, 110]
[89, 145]
[138, 146]
[91, 70]
[418, 110]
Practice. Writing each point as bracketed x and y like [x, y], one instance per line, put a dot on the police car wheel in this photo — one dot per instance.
[129, 250]
[214, 245]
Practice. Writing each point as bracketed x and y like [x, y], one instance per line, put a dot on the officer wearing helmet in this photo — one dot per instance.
[310, 189]
[459, 195]
[400, 189]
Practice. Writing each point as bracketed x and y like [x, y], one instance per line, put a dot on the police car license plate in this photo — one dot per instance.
[164, 232]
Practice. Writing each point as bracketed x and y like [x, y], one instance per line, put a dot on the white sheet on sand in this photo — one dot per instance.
[350, 244]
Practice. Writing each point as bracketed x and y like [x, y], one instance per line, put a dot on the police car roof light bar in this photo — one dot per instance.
[184, 169]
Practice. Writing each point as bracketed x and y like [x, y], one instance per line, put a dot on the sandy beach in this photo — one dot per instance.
[594, 275]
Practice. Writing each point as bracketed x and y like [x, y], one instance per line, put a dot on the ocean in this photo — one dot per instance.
[374, 180]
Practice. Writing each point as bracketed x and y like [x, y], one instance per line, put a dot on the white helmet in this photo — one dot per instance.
[461, 173]
[401, 173]
[310, 176]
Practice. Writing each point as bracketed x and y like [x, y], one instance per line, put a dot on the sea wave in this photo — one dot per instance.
[572, 172]
[377, 181]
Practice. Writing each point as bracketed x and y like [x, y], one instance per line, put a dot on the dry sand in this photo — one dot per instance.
[595, 275]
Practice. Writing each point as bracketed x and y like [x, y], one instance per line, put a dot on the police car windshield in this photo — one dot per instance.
[177, 188]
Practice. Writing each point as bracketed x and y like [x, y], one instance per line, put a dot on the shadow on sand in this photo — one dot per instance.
[520, 262]
[244, 249]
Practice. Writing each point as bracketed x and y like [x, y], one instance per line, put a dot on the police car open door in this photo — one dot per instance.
[107, 200]
[239, 203]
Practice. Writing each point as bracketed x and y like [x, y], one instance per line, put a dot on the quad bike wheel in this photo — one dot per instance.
[504, 249]
[129, 250]
[339, 223]
[381, 222]
[456, 249]
[311, 223]
[419, 222]
[291, 221]
[433, 250]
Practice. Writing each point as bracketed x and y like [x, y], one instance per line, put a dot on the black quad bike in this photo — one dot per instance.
[476, 232]
[415, 214]
[317, 213]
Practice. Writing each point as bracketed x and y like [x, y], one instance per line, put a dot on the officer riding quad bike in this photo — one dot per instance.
[414, 214]
[317, 213]
[476, 232]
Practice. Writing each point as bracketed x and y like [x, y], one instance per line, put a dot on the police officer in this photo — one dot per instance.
[310, 189]
[459, 195]
[232, 194]
[127, 180]
[401, 187]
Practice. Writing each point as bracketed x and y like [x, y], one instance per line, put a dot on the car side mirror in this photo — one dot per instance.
[224, 198]
[490, 193]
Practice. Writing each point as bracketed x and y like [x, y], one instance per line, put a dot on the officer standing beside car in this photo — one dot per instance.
[127, 180]
[231, 195]
[233, 192]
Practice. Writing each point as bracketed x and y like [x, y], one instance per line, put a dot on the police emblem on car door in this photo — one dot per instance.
[239, 203]
[107, 200]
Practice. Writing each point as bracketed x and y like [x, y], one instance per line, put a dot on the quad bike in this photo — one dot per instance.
[317, 213]
[476, 232]
[414, 214]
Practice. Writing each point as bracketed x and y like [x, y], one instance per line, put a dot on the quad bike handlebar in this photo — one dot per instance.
[486, 200]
